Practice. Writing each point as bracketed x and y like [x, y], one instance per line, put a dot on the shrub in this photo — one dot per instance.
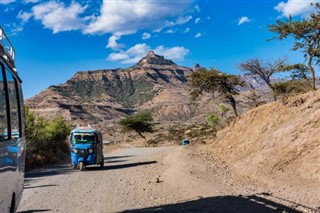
[293, 87]
[46, 140]
[212, 120]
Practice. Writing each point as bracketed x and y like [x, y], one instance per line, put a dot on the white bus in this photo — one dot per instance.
[12, 129]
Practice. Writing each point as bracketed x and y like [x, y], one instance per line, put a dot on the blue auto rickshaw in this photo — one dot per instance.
[86, 147]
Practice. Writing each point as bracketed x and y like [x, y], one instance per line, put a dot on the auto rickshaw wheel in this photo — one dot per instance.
[102, 164]
[81, 166]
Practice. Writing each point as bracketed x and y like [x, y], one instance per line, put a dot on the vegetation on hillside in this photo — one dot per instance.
[46, 140]
[125, 90]
[299, 83]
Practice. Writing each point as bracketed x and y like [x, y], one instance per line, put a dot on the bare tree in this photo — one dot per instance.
[264, 69]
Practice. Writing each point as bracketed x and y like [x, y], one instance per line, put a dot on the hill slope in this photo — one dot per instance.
[276, 142]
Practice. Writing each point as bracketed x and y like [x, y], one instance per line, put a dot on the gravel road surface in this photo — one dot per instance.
[162, 179]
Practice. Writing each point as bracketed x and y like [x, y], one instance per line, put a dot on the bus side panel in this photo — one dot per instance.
[12, 140]
[21, 143]
[21, 147]
[8, 174]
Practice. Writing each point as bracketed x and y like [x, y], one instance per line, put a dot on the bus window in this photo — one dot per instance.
[14, 109]
[22, 128]
[3, 110]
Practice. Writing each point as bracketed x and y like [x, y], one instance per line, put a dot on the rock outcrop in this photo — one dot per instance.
[154, 83]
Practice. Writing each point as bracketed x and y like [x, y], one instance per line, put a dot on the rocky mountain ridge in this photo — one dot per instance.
[154, 83]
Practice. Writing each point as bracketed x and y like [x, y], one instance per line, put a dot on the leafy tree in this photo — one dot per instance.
[299, 83]
[46, 139]
[298, 71]
[264, 69]
[214, 81]
[306, 33]
[140, 123]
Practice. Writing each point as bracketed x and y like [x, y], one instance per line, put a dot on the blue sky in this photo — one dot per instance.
[54, 39]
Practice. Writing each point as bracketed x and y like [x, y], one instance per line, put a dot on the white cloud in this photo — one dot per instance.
[18, 27]
[132, 55]
[15, 29]
[31, 1]
[183, 20]
[7, 1]
[174, 53]
[244, 19]
[187, 30]
[197, 20]
[24, 16]
[146, 36]
[58, 17]
[198, 35]
[127, 17]
[120, 56]
[296, 7]
[138, 51]
[197, 8]
[113, 44]
[170, 31]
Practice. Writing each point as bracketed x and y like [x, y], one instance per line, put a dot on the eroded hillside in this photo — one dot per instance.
[279, 141]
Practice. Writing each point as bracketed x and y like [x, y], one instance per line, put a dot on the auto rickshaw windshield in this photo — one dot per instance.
[83, 138]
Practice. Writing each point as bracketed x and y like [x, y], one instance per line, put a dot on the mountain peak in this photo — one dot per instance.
[151, 54]
[153, 59]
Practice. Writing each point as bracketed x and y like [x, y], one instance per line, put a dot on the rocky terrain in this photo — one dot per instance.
[154, 83]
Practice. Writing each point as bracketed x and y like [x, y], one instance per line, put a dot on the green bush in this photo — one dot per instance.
[46, 140]
[212, 120]
[293, 87]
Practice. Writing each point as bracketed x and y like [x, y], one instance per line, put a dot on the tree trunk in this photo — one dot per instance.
[313, 77]
[273, 91]
[274, 94]
[145, 139]
[139, 133]
[233, 105]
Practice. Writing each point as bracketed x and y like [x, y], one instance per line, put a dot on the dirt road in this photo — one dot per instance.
[163, 179]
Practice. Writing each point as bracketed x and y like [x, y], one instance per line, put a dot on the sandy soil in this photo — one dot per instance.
[162, 179]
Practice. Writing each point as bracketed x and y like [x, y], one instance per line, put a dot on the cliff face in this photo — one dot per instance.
[107, 94]
[154, 83]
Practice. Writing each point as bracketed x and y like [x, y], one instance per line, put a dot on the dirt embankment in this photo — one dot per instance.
[277, 143]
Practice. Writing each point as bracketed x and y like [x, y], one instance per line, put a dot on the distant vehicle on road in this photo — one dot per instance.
[12, 129]
[86, 147]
